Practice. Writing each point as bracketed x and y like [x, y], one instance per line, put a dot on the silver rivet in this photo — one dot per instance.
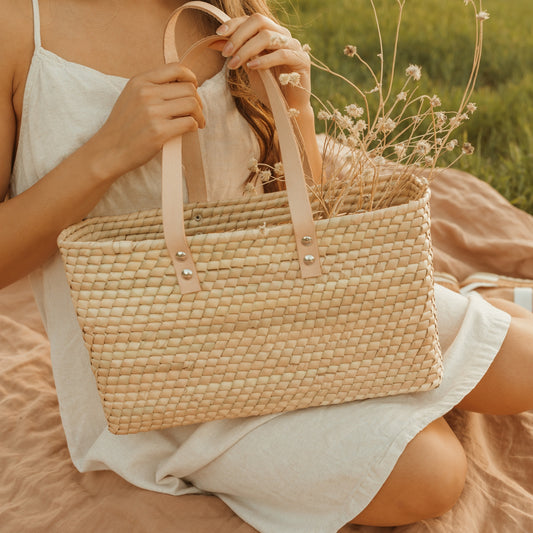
[181, 256]
[309, 259]
[306, 241]
[187, 274]
[198, 218]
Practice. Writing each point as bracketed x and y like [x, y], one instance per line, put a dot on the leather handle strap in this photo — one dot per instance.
[194, 168]
[300, 208]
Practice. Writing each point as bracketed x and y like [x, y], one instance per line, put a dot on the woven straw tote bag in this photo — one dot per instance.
[247, 307]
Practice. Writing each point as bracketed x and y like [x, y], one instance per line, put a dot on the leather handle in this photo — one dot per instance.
[299, 205]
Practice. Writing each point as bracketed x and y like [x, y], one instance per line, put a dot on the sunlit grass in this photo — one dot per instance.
[438, 36]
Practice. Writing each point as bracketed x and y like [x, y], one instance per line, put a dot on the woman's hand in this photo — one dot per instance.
[257, 43]
[153, 108]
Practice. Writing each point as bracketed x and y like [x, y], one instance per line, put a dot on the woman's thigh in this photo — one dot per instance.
[507, 387]
[426, 481]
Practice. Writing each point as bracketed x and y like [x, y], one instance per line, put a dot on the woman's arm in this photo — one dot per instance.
[153, 108]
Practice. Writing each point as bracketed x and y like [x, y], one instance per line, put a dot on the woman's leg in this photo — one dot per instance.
[507, 387]
[426, 481]
[429, 476]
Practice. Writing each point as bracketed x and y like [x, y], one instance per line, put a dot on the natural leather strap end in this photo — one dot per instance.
[173, 222]
[186, 274]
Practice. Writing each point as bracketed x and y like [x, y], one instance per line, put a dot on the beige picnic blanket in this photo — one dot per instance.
[474, 229]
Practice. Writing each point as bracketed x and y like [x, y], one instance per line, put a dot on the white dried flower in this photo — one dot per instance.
[439, 141]
[441, 118]
[294, 113]
[434, 101]
[413, 71]
[293, 78]
[402, 96]
[483, 15]
[265, 176]
[355, 111]
[468, 149]
[360, 126]
[386, 125]
[249, 189]
[350, 50]
[400, 150]
[423, 147]
[380, 160]
[471, 107]
[253, 165]
[452, 145]
[306, 48]
[343, 121]
[278, 41]
[278, 169]
[323, 115]
[456, 121]
[429, 161]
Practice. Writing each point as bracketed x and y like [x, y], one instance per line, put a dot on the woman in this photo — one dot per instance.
[85, 106]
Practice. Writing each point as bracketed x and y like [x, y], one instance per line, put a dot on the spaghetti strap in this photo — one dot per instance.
[36, 24]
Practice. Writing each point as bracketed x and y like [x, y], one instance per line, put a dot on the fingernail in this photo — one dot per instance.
[234, 62]
[222, 30]
[253, 63]
[228, 49]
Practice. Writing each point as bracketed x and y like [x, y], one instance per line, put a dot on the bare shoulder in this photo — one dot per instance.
[16, 48]
[15, 23]
[16, 37]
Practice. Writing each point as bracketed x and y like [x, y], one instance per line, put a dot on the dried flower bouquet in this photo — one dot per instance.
[378, 153]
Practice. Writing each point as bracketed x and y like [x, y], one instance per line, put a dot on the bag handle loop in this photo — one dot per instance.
[172, 187]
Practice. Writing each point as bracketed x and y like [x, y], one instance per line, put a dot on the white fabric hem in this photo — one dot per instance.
[493, 342]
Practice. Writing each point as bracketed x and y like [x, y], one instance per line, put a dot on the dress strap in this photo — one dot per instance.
[36, 24]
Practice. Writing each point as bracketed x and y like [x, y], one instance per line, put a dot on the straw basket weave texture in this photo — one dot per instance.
[257, 338]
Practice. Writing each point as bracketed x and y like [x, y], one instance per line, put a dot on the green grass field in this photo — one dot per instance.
[438, 36]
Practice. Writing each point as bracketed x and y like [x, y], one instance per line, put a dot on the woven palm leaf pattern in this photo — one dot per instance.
[257, 338]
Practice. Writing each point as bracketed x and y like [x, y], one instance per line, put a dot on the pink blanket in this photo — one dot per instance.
[474, 229]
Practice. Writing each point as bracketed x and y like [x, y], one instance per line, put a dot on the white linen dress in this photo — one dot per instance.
[306, 471]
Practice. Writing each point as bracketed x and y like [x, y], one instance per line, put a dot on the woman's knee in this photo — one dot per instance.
[441, 470]
[426, 482]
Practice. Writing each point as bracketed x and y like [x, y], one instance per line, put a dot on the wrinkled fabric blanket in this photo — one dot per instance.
[474, 229]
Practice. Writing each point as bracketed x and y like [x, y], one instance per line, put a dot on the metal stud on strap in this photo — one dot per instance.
[187, 274]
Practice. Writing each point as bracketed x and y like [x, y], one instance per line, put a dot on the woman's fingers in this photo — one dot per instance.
[249, 36]
[257, 43]
[262, 42]
[153, 108]
[240, 29]
[168, 73]
[182, 107]
[172, 91]
[287, 57]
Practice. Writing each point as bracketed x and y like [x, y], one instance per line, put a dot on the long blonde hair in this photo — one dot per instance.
[251, 108]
